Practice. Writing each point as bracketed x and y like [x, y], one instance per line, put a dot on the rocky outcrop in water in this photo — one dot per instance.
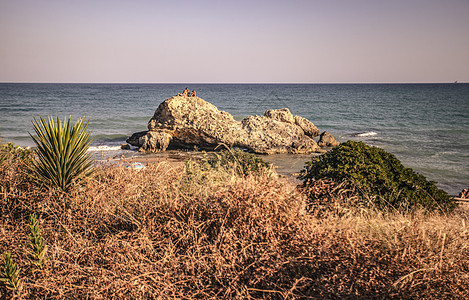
[327, 140]
[185, 121]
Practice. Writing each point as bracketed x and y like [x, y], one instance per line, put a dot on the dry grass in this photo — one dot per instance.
[187, 233]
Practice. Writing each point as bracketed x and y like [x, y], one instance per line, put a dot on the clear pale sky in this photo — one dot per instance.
[329, 41]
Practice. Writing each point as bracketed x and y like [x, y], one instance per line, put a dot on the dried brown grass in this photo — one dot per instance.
[171, 232]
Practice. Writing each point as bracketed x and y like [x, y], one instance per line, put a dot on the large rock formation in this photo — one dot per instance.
[185, 121]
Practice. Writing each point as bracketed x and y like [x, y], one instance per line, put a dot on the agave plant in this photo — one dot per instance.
[62, 151]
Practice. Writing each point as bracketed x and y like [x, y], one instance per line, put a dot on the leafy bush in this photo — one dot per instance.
[379, 175]
[62, 151]
[10, 151]
[243, 162]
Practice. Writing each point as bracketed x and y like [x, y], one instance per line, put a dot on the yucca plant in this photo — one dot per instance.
[61, 151]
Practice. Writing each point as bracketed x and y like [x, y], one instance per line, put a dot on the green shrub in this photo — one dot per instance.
[10, 273]
[36, 243]
[62, 151]
[243, 162]
[379, 175]
[10, 151]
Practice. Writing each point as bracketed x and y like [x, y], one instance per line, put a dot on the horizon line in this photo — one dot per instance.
[83, 82]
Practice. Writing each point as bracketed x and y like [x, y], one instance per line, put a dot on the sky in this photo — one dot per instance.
[253, 41]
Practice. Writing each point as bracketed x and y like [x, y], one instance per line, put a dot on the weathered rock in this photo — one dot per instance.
[308, 127]
[134, 139]
[125, 146]
[266, 135]
[187, 122]
[327, 140]
[154, 141]
[282, 115]
[193, 121]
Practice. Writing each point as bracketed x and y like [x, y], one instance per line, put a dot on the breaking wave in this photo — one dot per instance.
[104, 148]
[363, 134]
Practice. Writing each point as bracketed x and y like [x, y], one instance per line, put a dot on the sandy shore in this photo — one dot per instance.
[285, 165]
[175, 157]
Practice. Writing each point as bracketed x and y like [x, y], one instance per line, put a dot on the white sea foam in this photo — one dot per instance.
[104, 148]
[363, 134]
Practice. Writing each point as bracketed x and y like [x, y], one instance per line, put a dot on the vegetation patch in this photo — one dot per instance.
[378, 176]
[9, 275]
[10, 151]
[61, 151]
[37, 248]
[244, 163]
[169, 232]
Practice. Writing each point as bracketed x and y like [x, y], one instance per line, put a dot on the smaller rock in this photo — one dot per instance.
[125, 146]
[155, 141]
[134, 140]
[327, 140]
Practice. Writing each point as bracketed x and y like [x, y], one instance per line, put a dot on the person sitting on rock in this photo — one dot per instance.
[185, 93]
[193, 93]
[464, 194]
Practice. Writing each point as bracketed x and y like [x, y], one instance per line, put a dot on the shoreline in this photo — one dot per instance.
[287, 166]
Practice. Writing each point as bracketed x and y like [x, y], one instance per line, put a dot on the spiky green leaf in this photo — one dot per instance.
[61, 151]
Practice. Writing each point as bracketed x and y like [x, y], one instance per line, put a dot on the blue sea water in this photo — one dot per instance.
[426, 126]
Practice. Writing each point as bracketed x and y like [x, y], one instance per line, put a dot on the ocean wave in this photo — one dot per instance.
[445, 153]
[104, 148]
[363, 134]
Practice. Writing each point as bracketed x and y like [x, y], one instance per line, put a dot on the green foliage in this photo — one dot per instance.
[36, 243]
[243, 162]
[215, 167]
[10, 273]
[379, 175]
[62, 151]
[12, 152]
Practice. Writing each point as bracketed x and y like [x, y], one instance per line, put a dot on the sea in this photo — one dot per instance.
[426, 126]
